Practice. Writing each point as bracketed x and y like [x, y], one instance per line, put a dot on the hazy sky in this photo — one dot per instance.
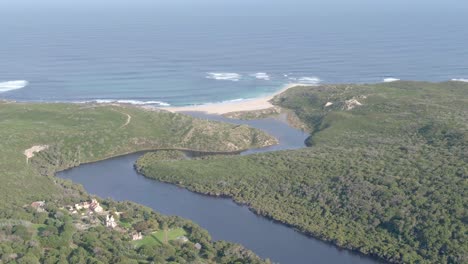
[261, 7]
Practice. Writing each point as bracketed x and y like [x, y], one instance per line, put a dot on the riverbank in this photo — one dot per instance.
[211, 213]
[253, 104]
[40, 139]
[326, 241]
[342, 188]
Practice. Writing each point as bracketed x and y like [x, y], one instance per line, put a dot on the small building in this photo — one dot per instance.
[39, 206]
[95, 206]
[137, 236]
[92, 205]
[110, 221]
[71, 209]
[82, 205]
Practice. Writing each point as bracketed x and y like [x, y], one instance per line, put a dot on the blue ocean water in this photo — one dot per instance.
[192, 52]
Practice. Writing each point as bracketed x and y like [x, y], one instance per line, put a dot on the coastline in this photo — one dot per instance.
[260, 103]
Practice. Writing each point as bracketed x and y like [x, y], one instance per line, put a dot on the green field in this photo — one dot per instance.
[80, 133]
[387, 177]
[159, 237]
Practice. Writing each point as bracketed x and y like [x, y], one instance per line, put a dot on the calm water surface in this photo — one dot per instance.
[289, 137]
[225, 220]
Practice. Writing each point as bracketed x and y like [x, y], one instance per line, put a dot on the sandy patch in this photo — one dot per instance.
[228, 107]
[29, 153]
[352, 103]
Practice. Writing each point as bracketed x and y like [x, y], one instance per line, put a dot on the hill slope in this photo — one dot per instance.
[36, 140]
[385, 173]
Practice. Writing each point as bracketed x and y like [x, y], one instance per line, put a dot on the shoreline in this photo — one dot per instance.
[218, 108]
[255, 211]
[260, 103]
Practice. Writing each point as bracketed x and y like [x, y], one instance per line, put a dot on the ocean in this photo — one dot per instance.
[185, 52]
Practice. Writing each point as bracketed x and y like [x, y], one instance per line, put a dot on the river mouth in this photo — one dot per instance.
[277, 126]
[116, 178]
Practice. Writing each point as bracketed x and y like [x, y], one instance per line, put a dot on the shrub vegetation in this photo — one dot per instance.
[386, 176]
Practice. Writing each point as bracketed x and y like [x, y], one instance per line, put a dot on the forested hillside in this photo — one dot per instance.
[44, 219]
[385, 172]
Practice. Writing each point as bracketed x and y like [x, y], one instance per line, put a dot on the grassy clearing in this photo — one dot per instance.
[159, 237]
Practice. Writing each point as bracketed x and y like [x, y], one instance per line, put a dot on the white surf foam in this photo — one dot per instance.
[460, 80]
[133, 102]
[224, 102]
[12, 85]
[235, 100]
[100, 101]
[136, 102]
[261, 76]
[390, 79]
[306, 80]
[224, 76]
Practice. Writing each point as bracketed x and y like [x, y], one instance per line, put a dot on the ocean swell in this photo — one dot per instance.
[12, 85]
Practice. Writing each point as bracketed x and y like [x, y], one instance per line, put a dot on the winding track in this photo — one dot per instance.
[129, 118]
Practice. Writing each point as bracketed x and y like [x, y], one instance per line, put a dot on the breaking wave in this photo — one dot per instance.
[390, 79]
[225, 76]
[460, 80]
[306, 80]
[261, 76]
[133, 102]
[225, 101]
[12, 85]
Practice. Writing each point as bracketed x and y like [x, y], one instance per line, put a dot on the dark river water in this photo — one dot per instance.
[116, 178]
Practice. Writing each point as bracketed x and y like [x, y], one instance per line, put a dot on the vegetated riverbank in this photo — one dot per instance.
[222, 218]
[384, 175]
[37, 208]
[175, 155]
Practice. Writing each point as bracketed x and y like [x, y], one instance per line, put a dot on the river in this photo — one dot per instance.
[116, 178]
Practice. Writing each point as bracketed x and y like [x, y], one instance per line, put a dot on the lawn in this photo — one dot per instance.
[125, 224]
[157, 238]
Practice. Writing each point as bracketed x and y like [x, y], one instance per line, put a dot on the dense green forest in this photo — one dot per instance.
[385, 172]
[44, 219]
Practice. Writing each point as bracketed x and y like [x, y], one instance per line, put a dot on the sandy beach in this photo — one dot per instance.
[259, 103]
